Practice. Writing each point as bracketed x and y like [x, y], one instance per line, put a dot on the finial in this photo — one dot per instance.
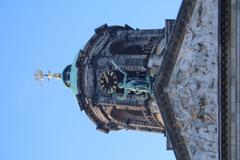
[39, 75]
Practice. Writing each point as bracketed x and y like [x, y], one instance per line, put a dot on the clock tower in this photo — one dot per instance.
[113, 78]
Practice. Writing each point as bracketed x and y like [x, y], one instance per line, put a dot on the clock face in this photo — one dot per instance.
[108, 81]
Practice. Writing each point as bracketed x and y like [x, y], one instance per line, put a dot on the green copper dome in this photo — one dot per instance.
[73, 79]
[69, 76]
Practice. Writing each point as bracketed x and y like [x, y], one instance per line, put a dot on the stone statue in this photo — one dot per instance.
[136, 86]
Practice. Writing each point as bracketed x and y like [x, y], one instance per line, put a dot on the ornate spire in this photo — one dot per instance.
[39, 75]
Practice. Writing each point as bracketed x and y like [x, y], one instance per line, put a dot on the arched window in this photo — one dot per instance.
[124, 115]
[124, 47]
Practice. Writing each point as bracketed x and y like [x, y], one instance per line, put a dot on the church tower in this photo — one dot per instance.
[113, 77]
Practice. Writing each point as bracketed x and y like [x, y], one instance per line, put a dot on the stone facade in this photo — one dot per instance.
[193, 67]
[193, 85]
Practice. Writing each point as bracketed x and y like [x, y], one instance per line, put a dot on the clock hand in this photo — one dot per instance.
[106, 77]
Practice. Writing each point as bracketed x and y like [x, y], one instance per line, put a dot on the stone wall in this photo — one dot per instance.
[193, 86]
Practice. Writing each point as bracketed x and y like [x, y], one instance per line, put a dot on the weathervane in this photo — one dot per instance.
[39, 75]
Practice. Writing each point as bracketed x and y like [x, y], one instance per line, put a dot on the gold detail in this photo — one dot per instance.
[39, 75]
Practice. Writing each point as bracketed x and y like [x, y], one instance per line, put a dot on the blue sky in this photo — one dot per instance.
[45, 123]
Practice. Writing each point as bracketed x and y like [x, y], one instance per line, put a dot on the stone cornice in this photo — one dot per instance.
[171, 53]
